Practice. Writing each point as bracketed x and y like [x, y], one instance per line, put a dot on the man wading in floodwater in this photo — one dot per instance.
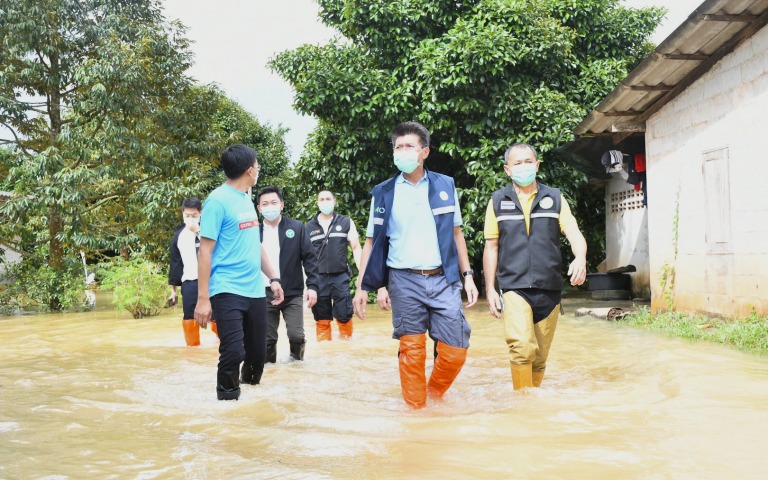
[416, 248]
[230, 284]
[523, 223]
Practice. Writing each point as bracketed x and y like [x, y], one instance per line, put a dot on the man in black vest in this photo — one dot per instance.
[287, 246]
[330, 234]
[523, 224]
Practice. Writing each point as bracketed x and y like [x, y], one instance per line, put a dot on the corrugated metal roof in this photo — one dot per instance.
[710, 33]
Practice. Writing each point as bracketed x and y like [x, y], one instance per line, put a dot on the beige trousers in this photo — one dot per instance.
[527, 342]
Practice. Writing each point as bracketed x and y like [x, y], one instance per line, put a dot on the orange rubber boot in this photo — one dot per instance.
[345, 329]
[323, 330]
[413, 380]
[447, 366]
[214, 328]
[537, 376]
[191, 332]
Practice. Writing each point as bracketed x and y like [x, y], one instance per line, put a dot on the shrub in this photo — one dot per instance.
[138, 285]
[32, 284]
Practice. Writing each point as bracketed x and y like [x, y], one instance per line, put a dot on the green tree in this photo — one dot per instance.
[100, 122]
[480, 74]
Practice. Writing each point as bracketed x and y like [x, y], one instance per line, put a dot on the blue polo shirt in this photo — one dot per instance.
[230, 219]
[411, 230]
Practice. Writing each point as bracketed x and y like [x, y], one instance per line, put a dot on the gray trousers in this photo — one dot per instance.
[292, 309]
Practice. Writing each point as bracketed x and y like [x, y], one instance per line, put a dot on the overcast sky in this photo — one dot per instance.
[234, 39]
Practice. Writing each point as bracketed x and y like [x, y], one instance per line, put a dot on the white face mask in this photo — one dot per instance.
[191, 222]
[326, 206]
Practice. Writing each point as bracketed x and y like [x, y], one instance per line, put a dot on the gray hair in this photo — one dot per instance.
[520, 145]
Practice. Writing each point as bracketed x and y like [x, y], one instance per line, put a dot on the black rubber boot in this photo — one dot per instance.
[224, 394]
[271, 353]
[297, 350]
[250, 375]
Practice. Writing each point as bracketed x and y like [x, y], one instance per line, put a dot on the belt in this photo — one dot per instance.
[426, 273]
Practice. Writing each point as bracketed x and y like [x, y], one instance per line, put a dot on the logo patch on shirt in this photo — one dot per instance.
[443, 195]
[380, 210]
[338, 228]
[546, 202]
[290, 233]
[248, 224]
[315, 232]
[507, 205]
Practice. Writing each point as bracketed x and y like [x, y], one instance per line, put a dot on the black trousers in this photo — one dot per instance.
[242, 324]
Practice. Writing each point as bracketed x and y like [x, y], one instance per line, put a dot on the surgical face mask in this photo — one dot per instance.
[326, 207]
[524, 174]
[271, 212]
[256, 178]
[190, 222]
[407, 161]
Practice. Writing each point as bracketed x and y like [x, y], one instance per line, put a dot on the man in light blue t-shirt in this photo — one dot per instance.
[230, 285]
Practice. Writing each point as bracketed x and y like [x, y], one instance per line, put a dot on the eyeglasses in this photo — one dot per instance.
[191, 215]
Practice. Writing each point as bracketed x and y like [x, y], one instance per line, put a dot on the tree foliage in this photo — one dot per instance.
[102, 134]
[480, 74]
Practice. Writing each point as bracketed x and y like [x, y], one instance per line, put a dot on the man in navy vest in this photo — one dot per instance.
[415, 257]
[331, 234]
[523, 224]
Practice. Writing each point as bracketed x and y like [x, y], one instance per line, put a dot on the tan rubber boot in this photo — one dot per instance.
[191, 332]
[447, 366]
[413, 381]
[345, 329]
[323, 330]
[522, 376]
[537, 377]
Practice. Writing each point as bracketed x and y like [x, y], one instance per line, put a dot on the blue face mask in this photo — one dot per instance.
[326, 207]
[407, 161]
[271, 212]
[524, 174]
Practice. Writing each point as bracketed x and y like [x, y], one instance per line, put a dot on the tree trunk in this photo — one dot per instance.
[56, 253]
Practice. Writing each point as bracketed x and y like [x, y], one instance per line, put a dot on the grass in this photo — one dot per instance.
[748, 334]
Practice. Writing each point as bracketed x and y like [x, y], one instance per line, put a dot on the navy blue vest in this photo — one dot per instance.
[376, 270]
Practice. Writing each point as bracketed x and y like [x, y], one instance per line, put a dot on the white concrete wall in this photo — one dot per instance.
[626, 233]
[11, 256]
[726, 109]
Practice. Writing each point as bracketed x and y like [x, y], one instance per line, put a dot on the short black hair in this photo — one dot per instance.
[236, 160]
[523, 146]
[269, 189]
[408, 128]
[192, 202]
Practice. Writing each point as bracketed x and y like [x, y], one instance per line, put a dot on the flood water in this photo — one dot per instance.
[99, 395]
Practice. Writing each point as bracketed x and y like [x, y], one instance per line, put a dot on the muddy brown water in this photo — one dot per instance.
[99, 395]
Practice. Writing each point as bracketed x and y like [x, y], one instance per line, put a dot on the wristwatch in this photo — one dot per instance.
[468, 273]
[273, 280]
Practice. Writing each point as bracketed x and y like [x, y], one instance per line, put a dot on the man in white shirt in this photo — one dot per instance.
[287, 246]
[183, 271]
